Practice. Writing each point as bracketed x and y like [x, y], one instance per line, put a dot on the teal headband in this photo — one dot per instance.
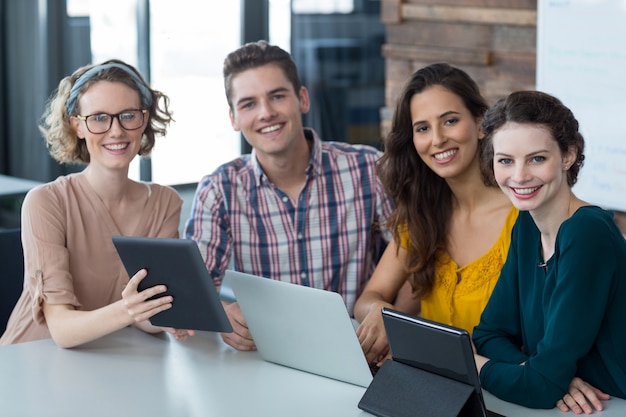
[146, 94]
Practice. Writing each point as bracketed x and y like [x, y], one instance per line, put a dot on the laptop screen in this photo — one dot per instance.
[301, 327]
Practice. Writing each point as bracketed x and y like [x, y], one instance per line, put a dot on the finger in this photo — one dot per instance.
[238, 342]
[169, 330]
[237, 321]
[601, 394]
[582, 400]
[367, 339]
[368, 348]
[577, 396]
[234, 313]
[181, 337]
[134, 281]
[138, 308]
[382, 358]
[572, 404]
[386, 354]
[372, 353]
[244, 334]
[366, 342]
[152, 292]
[381, 346]
[146, 310]
[240, 335]
[562, 406]
[184, 332]
[588, 396]
[359, 331]
[179, 334]
[595, 397]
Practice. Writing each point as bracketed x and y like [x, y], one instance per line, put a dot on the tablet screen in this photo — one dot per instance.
[431, 346]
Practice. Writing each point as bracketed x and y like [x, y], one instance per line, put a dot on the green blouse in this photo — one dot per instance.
[564, 319]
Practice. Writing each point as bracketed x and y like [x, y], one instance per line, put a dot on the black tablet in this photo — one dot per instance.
[433, 366]
[176, 263]
[431, 346]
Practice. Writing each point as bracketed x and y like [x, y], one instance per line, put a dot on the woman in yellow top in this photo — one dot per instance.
[452, 225]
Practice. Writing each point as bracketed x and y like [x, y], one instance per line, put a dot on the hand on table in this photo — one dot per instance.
[180, 334]
[240, 338]
[582, 398]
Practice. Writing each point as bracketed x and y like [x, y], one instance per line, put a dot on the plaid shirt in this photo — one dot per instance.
[330, 238]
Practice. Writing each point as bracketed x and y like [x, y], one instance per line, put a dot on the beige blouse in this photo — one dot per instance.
[69, 257]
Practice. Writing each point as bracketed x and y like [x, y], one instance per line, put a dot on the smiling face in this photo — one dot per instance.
[268, 111]
[445, 133]
[529, 166]
[116, 148]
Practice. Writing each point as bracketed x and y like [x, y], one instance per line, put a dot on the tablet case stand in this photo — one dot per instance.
[400, 390]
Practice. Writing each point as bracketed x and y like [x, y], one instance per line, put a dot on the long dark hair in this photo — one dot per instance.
[423, 200]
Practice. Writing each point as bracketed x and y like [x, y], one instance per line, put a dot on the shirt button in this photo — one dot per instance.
[303, 275]
[285, 199]
[300, 236]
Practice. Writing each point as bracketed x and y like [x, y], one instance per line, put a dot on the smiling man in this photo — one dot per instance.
[296, 209]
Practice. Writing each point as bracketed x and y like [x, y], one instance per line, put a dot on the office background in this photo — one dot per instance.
[353, 55]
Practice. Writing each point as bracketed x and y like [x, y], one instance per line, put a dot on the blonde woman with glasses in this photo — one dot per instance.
[76, 289]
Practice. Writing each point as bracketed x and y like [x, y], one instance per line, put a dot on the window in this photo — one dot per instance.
[337, 47]
[335, 43]
[187, 48]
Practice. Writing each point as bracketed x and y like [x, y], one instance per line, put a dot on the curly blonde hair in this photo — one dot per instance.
[61, 140]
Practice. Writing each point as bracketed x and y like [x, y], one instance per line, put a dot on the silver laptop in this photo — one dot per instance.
[301, 327]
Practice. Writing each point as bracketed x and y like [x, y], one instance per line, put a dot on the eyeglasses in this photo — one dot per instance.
[102, 122]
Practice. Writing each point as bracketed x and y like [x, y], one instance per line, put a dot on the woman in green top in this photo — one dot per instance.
[553, 330]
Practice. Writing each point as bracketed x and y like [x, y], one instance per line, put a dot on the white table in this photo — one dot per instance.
[130, 373]
[13, 186]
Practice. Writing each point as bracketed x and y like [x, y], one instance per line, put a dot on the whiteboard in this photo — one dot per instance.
[581, 59]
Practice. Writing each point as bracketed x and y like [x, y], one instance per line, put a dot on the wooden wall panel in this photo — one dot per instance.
[494, 41]
[458, 56]
[510, 4]
[397, 72]
[390, 11]
[514, 39]
[440, 34]
[479, 15]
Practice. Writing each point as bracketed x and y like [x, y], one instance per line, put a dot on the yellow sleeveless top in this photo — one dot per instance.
[460, 302]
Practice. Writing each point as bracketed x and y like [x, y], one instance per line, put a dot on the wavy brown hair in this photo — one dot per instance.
[56, 128]
[535, 108]
[423, 200]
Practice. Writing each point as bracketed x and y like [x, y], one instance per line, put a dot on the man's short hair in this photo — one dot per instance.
[254, 55]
